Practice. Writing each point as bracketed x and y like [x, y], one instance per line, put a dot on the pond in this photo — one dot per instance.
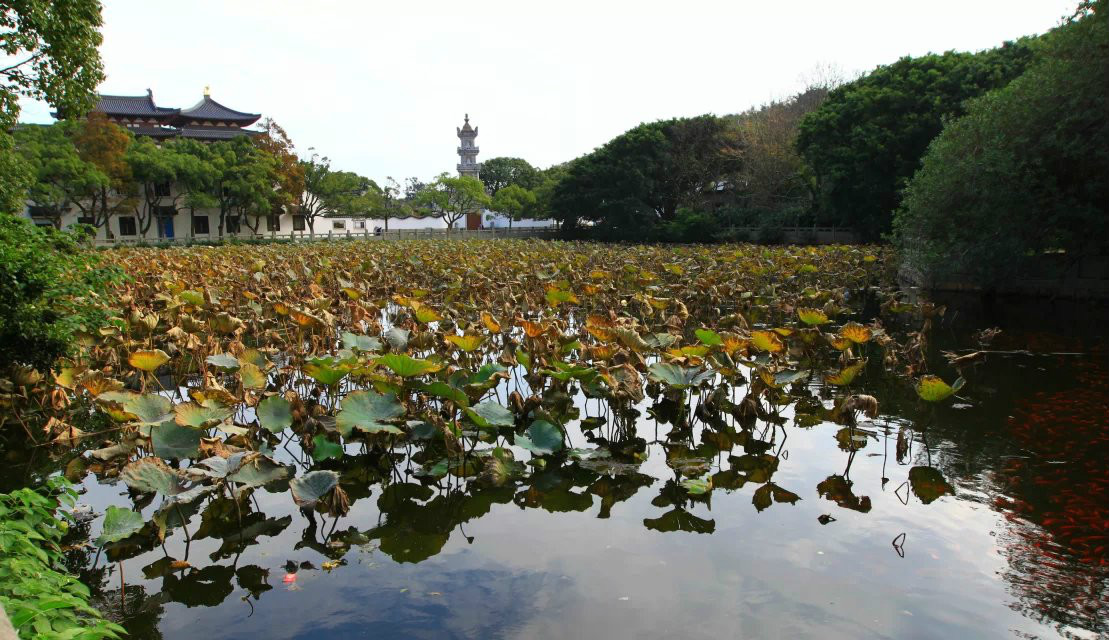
[675, 515]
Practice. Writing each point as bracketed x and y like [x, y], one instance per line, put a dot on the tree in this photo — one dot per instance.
[515, 202]
[334, 193]
[59, 174]
[153, 170]
[289, 171]
[389, 204]
[644, 175]
[16, 177]
[244, 182]
[498, 173]
[452, 198]
[52, 46]
[1023, 172]
[773, 176]
[196, 178]
[866, 140]
[109, 191]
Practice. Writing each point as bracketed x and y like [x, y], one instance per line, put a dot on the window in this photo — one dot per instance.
[127, 226]
[165, 212]
[273, 223]
[233, 224]
[86, 220]
[161, 189]
[359, 224]
[298, 223]
[338, 225]
[200, 225]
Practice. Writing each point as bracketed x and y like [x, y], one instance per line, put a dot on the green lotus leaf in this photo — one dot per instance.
[361, 343]
[369, 412]
[149, 408]
[224, 361]
[443, 390]
[490, 415]
[171, 440]
[541, 438]
[709, 338]
[311, 487]
[275, 414]
[323, 449]
[397, 338]
[406, 366]
[328, 371]
[677, 376]
[119, 523]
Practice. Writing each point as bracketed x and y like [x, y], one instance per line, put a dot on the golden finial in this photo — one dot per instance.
[207, 89]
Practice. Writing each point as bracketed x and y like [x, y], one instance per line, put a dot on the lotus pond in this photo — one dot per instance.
[526, 439]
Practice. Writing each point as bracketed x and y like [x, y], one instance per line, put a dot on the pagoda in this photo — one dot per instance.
[468, 166]
[207, 120]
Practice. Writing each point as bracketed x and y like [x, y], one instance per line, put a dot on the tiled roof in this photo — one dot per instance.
[214, 133]
[155, 132]
[209, 109]
[136, 106]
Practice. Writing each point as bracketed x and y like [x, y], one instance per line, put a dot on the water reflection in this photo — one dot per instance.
[680, 515]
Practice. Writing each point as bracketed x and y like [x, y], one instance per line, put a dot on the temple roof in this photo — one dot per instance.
[213, 133]
[209, 109]
[133, 106]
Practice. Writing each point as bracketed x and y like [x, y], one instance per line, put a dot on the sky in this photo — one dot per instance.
[379, 87]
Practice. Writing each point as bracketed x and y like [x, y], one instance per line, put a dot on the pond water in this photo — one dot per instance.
[983, 518]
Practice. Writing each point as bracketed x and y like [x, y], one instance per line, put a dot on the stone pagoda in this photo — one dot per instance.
[467, 151]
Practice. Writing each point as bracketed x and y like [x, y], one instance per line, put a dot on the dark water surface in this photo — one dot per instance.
[801, 536]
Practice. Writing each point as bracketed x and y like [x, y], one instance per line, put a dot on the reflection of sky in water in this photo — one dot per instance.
[537, 574]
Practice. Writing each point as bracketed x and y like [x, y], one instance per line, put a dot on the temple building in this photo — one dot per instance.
[207, 120]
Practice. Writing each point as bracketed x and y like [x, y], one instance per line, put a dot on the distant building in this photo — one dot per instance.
[468, 164]
[207, 120]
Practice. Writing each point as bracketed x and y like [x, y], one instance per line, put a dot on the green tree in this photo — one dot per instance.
[643, 176]
[51, 52]
[16, 177]
[452, 198]
[59, 174]
[331, 193]
[498, 173]
[866, 140]
[515, 202]
[196, 178]
[1023, 172]
[243, 186]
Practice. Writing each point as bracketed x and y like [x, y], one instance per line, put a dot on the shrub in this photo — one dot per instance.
[49, 290]
[41, 600]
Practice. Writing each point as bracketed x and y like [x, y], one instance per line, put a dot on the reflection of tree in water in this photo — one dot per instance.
[1057, 504]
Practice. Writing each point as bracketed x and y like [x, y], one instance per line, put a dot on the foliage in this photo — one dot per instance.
[41, 600]
[287, 167]
[498, 173]
[107, 190]
[644, 175]
[1021, 174]
[51, 54]
[16, 177]
[335, 193]
[866, 140]
[60, 175]
[452, 198]
[515, 202]
[49, 290]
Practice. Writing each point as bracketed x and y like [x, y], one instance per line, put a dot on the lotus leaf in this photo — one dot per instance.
[369, 412]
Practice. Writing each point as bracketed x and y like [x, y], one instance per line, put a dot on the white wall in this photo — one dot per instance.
[494, 220]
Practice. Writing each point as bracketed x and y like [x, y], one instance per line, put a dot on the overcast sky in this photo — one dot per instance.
[380, 86]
